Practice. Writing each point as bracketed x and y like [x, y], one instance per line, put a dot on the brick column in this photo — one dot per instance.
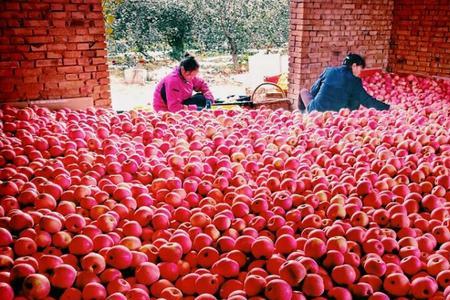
[322, 32]
[53, 49]
[420, 37]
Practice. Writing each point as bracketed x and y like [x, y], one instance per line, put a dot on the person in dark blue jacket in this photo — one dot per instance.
[340, 87]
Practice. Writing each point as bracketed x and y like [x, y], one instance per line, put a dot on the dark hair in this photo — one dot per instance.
[189, 63]
[352, 58]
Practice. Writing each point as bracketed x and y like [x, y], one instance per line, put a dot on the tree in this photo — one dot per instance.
[223, 21]
[134, 26]
[153, 25]
[241, 24]
[174, 24]
[226, 26]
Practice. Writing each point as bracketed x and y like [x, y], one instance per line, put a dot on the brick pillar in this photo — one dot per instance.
[420, 40]
[53, 49]
[322, 32]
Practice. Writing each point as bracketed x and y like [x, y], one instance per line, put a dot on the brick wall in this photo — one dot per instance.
[420, 40]
[323, 32]
[53, 49]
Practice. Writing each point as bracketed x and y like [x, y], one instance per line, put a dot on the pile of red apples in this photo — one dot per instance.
[251, 204]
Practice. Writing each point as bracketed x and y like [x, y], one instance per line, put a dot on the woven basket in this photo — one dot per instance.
[275, 104]
[270, 99]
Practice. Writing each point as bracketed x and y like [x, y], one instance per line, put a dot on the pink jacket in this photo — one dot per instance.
[178, 90]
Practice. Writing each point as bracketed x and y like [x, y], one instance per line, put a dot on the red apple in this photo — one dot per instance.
[63, 276]
[36, 286]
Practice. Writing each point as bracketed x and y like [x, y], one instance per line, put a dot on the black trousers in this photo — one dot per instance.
[197, 99]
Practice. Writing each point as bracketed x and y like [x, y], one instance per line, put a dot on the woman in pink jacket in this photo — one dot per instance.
[174, 92]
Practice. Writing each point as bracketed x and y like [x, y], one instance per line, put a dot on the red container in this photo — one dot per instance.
[272, 79]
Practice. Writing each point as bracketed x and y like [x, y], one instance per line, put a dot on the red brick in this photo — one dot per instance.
[27, 64]
[58, 23]
[75, 92]
[39, 39]
[30, 79]
[9, 73]
[83, 7]
[78, 15]
[57, 7]
[6, 86]
[99, 23]
[10, 97]
[6, 48]
[81, 38]
[72, 54]
[99, 60]
[91, 83]
[13, 23]
[70, 69]
[36, 23]
[69, 61]
[22, 31]
[54, 54]
[34, 55]
[102, 67]
[57, 15]
[97, 7]
[48, 62]
[27, 72]
[17, 41]
[84, 61]
[56, 47]
[72, 46]
[94, 15]
[46, 78]
[12, 6]
[71, 77]
[71, 84]
[83, 46]
[98, 45]
[9, 64]
[40, 31]
[11, 15]
[61, 39]
[85, 76]
[34, 15]
[103, 74]
[86, 91]
[30, 94]
[52, 84]
[105, 94]
[102, 103]
[90, 69]
[71, 7]
[101, 53]
[100, 37]
[82, 31]
[59, 31]
[96, 30]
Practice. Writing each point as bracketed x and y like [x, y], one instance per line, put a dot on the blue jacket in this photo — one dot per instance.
[338, 88]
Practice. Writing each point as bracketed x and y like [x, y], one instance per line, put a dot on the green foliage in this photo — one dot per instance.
[240, 25]
[174, 24]
[224, 26]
